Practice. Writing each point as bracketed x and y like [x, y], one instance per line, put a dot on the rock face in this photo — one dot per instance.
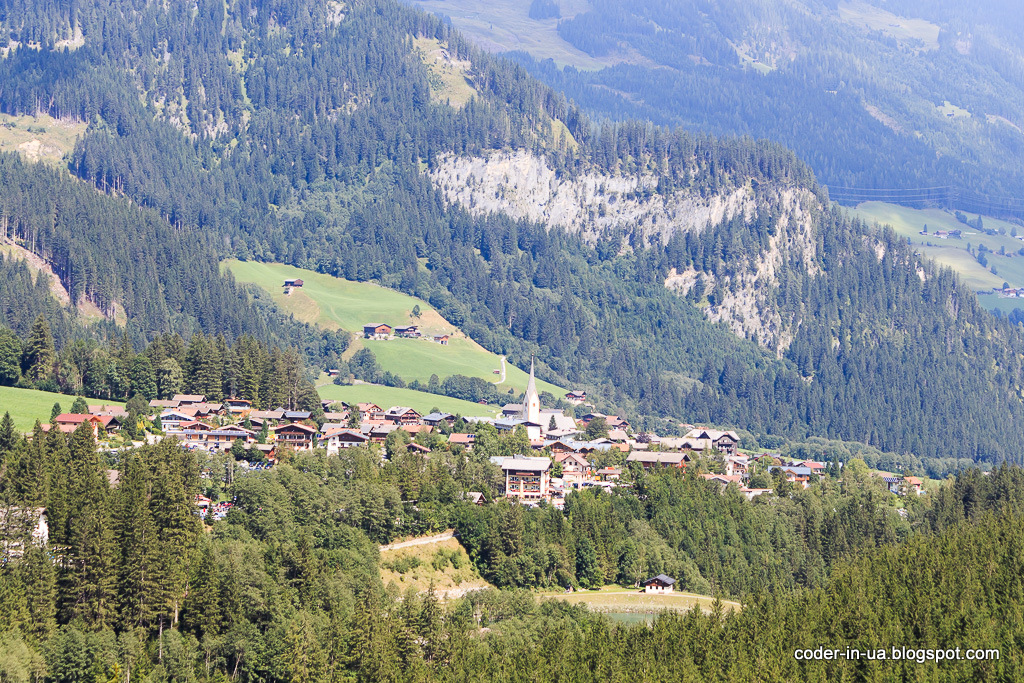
[524, 186]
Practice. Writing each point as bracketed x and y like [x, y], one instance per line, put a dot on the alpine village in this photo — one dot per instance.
[530, 341]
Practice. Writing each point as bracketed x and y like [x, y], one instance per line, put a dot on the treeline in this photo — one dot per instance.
[207, 365]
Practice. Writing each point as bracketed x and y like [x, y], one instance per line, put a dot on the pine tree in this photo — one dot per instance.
[80, 406]
[87, 569]
[138, 588]
[55, 411]
[8, 434]
[40, 356]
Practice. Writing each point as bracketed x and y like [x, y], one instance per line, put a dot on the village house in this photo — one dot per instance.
[338, 439]
[576, 397]
[659, 584]
[651, 459]
[370, 411]
[188, 399]
[801, 476]
[295, 435]
[164, 403]
[402, 415]
[376, 331]
[435, 419]
[464, 440]
[575, 468]
[527, 478]
[237, 406]
[294, 283]
[101, 424]
[509, 424]
[441, 339]
[114, 411]
[408, 331]
[609, 474]
[713, 439]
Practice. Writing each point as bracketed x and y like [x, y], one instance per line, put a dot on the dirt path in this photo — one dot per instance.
[420, 541]
[502, 380]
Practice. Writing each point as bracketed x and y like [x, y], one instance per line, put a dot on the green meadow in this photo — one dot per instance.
[335, 304]
[953, 253]
[28, 405]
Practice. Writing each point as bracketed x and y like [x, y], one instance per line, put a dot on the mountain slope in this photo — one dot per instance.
[316, 138]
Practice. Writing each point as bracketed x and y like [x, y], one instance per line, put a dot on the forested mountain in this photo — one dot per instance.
[896, 95]
[320, 136]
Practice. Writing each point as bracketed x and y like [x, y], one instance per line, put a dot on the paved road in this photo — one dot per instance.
[502, 380]
[420, 541]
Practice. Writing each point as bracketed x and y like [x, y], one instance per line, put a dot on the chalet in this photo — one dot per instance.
[297, 415]
[527, 478]
[114, 411]
[659, 584]
[442, 339]
[713, 439]
[576, 397]
[435, 419]
[509, 424]
[795, 475]
[618, 423]
[101, 424]
[408, 331]
[402, 415]
[237, 405]
[205, 409]
[294, 283]
[170, 420]
[415, 429]
[737, 464]
[223, 438]
[295, 435]
[336, 417]
[475, 497]
[575, 468]
[417, 448]
[903, 485]
[378, 433]
[164, 403]
[464, 440]
[751, 494]
[511, 409]
[370, 411]
[376, 331]
[188, 399]
[271, 415]
[914, 485]
[590, 417]
[338, 439]
[650, 459]
[609, 474]
[564, 424]
[724, 480]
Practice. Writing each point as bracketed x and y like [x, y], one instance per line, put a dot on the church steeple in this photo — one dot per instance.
[531, 401]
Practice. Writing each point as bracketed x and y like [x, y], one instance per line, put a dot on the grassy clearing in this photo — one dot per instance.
[445, 564]
[953, 253]
[900, 28]
[617, 600]
[386, 397]
[952, 111]
[28, 405]
[449, 78]
[39, 138]
[505, 26]
[334, 303]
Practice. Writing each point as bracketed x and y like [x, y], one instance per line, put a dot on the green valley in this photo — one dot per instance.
[386, 397]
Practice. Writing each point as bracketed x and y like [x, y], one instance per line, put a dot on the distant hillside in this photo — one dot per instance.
[876, 94]
[334, 303]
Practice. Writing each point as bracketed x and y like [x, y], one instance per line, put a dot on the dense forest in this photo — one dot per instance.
[287, 587]
[244, 132]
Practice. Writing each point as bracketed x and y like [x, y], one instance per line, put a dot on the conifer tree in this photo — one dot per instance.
[8, 434]
[39, 356]
[87, 569]
[80, 406]
[138, 588]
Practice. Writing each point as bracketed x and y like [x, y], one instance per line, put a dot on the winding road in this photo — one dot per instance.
[502, 380]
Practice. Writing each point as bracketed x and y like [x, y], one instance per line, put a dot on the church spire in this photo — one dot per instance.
[531, 401]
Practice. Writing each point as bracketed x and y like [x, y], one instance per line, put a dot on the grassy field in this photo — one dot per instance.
[448, 81]
[952, 111]
[386, 397]
[908, 223]
[443, 563]
[38, 137]
[900, 28]
[334, 303]
[505, 25]
[617, 600]
[28, 405]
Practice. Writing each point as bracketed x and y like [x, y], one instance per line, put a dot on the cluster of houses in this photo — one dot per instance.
[942, 234]
[383, 332]
[1009, 292]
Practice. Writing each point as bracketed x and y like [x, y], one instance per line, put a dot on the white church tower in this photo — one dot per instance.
[531, 401]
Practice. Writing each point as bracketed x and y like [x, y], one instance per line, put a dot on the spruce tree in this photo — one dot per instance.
[80, 406]
[8, 434]
[40, 356]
